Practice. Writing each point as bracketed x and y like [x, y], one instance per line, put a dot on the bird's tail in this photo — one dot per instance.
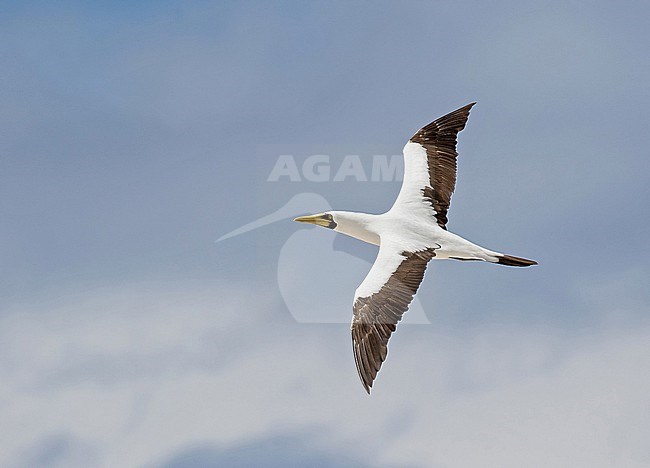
[509, 260]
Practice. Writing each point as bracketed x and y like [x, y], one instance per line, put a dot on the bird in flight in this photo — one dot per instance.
[410, 234]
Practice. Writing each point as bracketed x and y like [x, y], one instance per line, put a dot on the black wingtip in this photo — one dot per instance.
[510, 260]
[466, 107]
[461, 110]
[367, 386]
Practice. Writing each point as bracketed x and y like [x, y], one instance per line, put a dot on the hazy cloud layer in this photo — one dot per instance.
[136, 374]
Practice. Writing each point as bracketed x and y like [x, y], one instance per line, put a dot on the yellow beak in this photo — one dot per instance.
[319, 219]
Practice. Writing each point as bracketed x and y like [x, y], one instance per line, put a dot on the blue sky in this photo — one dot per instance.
[133, 136]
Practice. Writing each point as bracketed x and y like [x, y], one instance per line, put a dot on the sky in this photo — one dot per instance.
[135, 137]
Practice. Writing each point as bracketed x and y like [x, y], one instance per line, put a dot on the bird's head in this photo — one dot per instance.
[322, 219]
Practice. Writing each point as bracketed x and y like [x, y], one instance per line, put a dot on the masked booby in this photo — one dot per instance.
[410, 234]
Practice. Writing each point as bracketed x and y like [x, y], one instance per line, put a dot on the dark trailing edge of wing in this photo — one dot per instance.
[439, 140]
[376, 316]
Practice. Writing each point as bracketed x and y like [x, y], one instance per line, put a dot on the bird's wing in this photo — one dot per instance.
[379, 303]
[430, 167]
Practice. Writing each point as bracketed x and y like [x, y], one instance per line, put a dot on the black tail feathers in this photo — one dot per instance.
[509, 260]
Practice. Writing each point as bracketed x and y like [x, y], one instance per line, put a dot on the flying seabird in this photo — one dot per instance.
[410, 234]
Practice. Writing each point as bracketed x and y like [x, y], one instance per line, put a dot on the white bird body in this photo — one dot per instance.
[410, 234]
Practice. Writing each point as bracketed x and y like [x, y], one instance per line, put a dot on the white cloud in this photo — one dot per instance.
[140, 372]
